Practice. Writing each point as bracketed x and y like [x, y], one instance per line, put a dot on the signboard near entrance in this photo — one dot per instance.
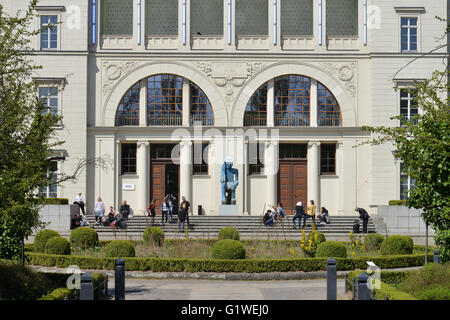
[128, 187]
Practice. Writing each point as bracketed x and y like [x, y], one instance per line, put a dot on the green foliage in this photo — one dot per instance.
[442, 240]
[397, 202]
[59, 294]
[154, 235]
[430, 278]
[334, 249]
[356, 243]
[26, 132]
[120, 248]
[57, 245]
[84, 237]
[438, 293]
[57, 201]
[318, 237]
[397, 245]
[214, 265]
[391, 293]
[228, 249]
[423, 147]
[373, 241]
[41, 238]
[309, 244]
[228, 233]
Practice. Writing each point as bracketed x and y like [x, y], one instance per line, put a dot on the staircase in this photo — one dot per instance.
[249, 227]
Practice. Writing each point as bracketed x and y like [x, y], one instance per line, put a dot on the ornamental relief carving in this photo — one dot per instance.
[345, 73]
[230, 75]
[113, 71]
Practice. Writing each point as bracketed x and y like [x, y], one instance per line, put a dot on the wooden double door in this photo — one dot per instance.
[292, 183]
[165, 179]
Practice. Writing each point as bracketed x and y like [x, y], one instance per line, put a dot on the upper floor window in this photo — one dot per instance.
[328, 158]
[49, 97]
[256, 110]
[200, 155]
[408, 105]
[201, 110]
[406, 183]
[50, 190]
[329, 112]
[255, 157]
[128, 158]
[342, 18]
[49, 32]
[408, 34]
[128, 111]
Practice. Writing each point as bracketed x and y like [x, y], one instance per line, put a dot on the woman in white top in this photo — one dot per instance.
[99, 210]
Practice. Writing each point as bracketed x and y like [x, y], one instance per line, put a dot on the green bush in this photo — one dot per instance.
[154, 235]
[397, 245]
[120, 248]
[439, 293]
[391, 293]
[333, 249]
[59, 294]
[442, 240]
[84, 237]
[41, 238]
[397, 202]
[320, 237]
[228, 233]
[57, 245]
[228, 249]
[373, 241]
[57, 201]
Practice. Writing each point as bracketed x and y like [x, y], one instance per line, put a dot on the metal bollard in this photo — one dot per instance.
[119, 279]
[86, 287]
[353, 288]
[436, 256]
[346, 283]
[363, 289]
[331, 279]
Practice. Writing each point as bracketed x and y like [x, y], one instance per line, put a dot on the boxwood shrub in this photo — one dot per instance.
[41, 238]
[154, 235]
[120, 248]
[397, 245]
[228, 249]
[84, 237]
[228, 233]
[333, 249]
[57, 245]
[373, 241]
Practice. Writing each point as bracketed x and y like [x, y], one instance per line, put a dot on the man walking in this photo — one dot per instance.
[364, 216]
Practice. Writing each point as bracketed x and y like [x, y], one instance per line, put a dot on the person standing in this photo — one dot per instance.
[364, 216]
[311, 213]
[186, 207]
[164, 210]
[151, 211]
[299, 212]
[79, 201]
[99, 211]
[170, 202]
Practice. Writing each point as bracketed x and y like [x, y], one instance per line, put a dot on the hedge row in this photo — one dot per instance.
[388, 277]
[69, 294]
[215, 265]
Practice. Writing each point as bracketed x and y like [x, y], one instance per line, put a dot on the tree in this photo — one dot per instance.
[422, 144]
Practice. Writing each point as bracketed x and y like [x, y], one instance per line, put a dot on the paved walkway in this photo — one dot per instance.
[143, 289]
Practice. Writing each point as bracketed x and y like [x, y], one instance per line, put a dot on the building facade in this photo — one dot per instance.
[165, 90]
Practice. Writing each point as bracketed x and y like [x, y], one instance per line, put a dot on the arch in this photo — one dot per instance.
[245, 93]
[127, 113]
[152, 68]
[328, 109]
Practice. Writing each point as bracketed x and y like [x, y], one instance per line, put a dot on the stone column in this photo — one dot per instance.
[186, 170]
[271, 171]
[186, 102]
[244, 179]
[314, 172]
[313, 111]
[117, 171]
[143, 168]
[270, 103]
[143, 103]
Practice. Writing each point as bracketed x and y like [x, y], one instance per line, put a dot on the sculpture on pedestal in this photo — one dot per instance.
[229, 179]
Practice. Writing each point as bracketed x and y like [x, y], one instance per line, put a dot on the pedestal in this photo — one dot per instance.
[228, 210]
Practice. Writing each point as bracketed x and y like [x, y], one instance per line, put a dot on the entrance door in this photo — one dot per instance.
[172, 179]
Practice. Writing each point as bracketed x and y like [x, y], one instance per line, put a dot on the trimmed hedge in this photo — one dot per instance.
[397, 202]
[60, 294]
[397, 245]
[120, 248]
[228, 233]
[391, 293]
[333, 249]
[388, 277]
[217, 265]
[41, 238]
[228, 249]
[84, 237]
[156, 236]
[57, 245]
[373, 241]
[57, 201]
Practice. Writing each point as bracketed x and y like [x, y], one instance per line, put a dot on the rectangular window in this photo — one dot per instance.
[51, 190]
[255, 158]
[128, 158]
[49, 32]
[408, 34]
[200, 158]
[292, 151]
[328, 159]
[49, 97]
[408, 105]
[406, 183]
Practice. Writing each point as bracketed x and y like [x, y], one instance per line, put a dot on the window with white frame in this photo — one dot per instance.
[49, 32]
[48, 95]
[408, 104]
[406, 183]
[409, 26]
[50, 190]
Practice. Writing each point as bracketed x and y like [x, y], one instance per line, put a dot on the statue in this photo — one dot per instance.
[229, 185]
